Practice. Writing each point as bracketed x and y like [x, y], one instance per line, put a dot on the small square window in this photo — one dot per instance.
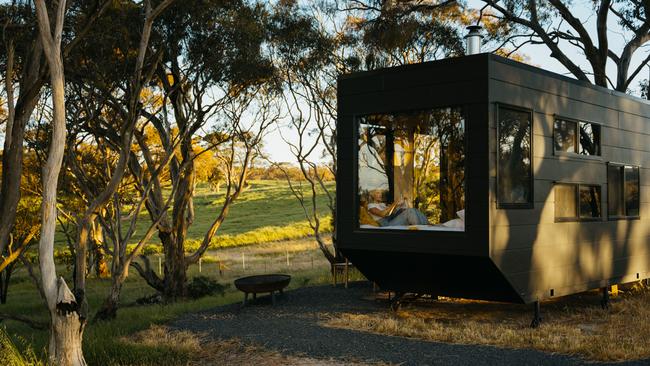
[577, 202]
[575, 137]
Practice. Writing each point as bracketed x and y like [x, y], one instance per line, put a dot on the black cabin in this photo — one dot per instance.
[531, 184]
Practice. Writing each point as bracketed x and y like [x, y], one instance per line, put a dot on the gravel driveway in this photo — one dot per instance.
[292, 327]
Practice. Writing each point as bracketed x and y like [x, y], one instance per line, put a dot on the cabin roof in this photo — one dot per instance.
[489, 58]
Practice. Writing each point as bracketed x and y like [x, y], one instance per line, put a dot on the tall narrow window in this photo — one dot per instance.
[623, 196]
[589, 202]
[514, 159]
[564, 135]
[631, 176]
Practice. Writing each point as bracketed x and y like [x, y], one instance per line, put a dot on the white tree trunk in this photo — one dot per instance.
[67, 329]
[67, 321]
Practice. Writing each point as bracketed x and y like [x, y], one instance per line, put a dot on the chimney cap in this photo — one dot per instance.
[474, 30]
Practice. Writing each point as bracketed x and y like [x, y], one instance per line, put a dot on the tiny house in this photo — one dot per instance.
[525, 184]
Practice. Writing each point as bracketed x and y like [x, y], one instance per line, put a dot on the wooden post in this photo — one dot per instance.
[200, 260]
[347, 273]
[159, 265]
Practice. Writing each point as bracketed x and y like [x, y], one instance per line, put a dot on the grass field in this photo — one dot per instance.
[267, 211]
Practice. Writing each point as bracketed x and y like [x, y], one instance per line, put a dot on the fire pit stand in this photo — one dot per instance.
[270, 283]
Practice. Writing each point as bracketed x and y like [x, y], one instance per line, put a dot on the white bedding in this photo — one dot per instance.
[414, 227]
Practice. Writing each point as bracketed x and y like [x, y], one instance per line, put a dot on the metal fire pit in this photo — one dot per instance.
[270, 283]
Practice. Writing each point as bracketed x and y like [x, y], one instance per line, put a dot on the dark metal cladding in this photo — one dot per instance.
[513, 253]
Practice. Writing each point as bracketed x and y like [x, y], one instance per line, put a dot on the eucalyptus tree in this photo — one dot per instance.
[558, 26]
[67, 319]
[390, 33]
[124, 97]
[213, 72]
[25, 72]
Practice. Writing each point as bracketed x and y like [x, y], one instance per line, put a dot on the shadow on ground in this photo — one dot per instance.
[294, 327]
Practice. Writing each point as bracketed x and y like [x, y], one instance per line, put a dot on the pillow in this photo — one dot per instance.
[455, 223]
[461, 214]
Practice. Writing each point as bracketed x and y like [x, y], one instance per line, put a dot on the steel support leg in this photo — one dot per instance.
[396, 301]
[537, 317]
[604, 302]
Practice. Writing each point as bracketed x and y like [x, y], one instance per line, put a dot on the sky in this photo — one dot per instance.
[538, 55]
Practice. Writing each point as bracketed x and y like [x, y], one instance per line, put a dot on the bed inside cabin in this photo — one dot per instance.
[411, 170]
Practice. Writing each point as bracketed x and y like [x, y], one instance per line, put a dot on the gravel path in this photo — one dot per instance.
[292, 327]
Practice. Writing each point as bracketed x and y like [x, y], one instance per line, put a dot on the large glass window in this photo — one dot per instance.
[411, 170]
[576, 137]
[623, 197]
[514, 159]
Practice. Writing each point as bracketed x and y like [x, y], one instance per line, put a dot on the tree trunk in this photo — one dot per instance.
[108, 310]
[175, 276]
[5, 276]
[67, 329]
[67, 310]
[12, 157]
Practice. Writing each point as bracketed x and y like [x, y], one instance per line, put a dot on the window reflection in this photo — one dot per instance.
[623, 196]
[411, 170]
[589, 139]
[589, 202]
[585, 142]
[514, 158]
[615, 191]
[632, 191]
[564, 136]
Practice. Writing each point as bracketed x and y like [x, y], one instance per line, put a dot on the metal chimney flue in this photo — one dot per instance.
[474, 40]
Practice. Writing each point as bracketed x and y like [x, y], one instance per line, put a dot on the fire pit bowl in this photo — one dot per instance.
[269, 283]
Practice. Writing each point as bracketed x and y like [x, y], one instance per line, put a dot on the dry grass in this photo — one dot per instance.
[573, 325]
[201, 351]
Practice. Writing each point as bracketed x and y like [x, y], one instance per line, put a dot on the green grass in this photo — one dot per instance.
[267, 211]
[105, 343]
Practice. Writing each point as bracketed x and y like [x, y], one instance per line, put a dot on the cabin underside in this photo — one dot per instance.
[443, 275]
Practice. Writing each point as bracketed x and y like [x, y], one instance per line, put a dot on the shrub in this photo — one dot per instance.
[202, 286]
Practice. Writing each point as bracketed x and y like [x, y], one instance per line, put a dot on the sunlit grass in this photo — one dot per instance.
[573, 325]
